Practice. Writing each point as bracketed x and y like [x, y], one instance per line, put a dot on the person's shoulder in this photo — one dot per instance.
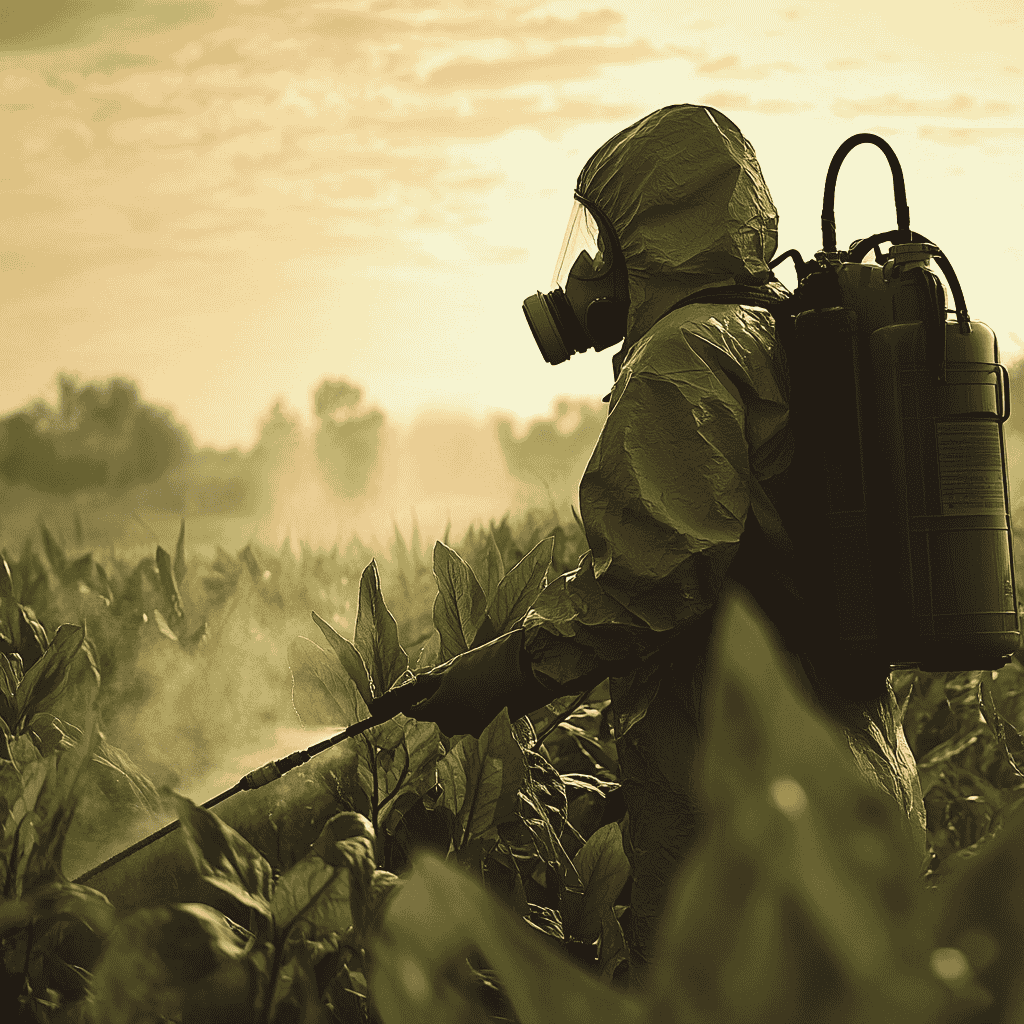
[706, 331]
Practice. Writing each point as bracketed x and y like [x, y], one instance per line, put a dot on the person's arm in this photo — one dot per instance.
[665, 496]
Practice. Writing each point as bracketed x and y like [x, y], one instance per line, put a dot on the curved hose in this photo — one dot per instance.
[828, 206]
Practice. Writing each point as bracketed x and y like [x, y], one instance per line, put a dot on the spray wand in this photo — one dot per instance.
[399, 698]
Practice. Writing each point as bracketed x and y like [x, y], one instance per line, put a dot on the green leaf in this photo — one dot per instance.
[377, 634]
[256, 571]
[438, 918]
[33, 637]
[168, 584]
[224, 858]
[88, 573]
[546, 920]
[10, 680]
[44, 680]
[296, 996]
[197, 637]
[808, 868]
[323, 693]
[603, 870]
[10, 626]
[161, 624]
[155, 957]
[430, 652]
[140, 793]
[350, 659]
[405, 764]
[47, 805]
[55, 554]
[614, 949]
[180, 567]
[519, 588]
[21, 788]
[62, 900]
[495, 568]
[460, 605]
[977, 928]
[480, 779]
[1002, 690]
[327, 892]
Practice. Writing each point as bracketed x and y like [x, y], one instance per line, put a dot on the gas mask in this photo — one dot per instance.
[589, 297]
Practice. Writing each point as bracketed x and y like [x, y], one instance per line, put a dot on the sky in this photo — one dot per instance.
[229, 201]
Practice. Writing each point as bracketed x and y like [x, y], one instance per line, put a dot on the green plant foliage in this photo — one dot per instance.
[517, 591]
[418, 955]
[460, 605]
[480, 779]
[803, 862]
[376, 636]
[802, 902]
[165, 961]
[603, 870]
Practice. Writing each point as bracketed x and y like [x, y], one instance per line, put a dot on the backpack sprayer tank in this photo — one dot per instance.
[897, 419]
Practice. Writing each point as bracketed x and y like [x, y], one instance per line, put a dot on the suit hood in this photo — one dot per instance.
[685, 194]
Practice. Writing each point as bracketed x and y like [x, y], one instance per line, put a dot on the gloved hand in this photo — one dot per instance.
[475, 686]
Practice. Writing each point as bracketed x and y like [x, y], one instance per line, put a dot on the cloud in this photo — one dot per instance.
[111, 62]
[487, 117]
[454, 23]
[49, 24]
[285, 124]
[560, 64]
[730, 66]
[731, 101]
[947, 136]
[959, 105]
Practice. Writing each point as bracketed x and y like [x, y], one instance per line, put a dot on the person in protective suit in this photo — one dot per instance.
[668, 247]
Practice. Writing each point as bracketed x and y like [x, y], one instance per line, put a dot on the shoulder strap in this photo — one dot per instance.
[743, 294]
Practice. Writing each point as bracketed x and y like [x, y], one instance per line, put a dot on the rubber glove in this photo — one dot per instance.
[475, 686]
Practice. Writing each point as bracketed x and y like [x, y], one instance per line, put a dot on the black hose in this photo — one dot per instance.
[828, 207]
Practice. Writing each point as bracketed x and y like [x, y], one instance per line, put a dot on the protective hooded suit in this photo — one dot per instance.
[689, 469]
[697, 429]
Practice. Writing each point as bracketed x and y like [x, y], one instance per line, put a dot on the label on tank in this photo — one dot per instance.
[970, 468]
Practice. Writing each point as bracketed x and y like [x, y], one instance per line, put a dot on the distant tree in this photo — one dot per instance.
[347, 437]
[101, 435]
[280, 436]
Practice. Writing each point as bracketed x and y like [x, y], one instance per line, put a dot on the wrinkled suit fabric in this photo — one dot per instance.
[698, 417]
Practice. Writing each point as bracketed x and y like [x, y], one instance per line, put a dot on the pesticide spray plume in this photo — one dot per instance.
[195, 721]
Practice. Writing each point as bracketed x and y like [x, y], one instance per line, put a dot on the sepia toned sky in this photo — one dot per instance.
[227, 201]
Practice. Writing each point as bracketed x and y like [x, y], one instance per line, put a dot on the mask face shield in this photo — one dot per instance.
[582, 246]
[586, 306]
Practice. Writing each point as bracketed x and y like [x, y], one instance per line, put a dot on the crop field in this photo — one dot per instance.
[467, 879]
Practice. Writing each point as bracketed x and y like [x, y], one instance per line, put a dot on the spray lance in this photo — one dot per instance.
[402, 698]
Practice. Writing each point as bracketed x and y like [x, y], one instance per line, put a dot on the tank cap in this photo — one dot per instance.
[908, 255]
[917, 252]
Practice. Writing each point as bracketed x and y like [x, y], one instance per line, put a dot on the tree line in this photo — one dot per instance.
[103, 436]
